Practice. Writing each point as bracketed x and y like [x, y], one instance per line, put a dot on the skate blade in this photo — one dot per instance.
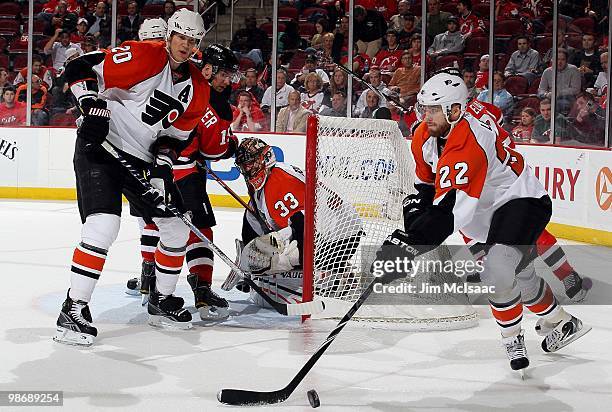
[580, 296]
[585, 329]
[213, 313]
[145, 299]
[168, 324]
[70, 337]
[523, 373]
[132, 292]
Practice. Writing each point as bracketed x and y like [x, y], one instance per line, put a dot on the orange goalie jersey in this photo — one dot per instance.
[474, 175]
[281, 196]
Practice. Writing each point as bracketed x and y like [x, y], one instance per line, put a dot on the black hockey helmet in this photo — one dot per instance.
[220, 58]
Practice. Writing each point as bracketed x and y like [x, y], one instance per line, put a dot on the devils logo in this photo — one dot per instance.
[162, 107]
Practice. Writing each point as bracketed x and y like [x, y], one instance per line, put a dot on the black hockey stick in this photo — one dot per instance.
[241, 397]
[284, 309]
[389, 97]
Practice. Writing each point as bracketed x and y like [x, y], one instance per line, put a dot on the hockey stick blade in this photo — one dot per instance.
[292, 309]
[239, 397]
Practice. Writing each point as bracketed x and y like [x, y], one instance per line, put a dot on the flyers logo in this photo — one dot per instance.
[603, 189]
[162, 107]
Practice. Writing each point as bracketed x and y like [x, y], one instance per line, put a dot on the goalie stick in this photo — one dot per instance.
[240, 397]
[389, 97]
[283, 309]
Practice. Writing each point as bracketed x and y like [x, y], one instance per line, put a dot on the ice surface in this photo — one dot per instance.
[135, 367]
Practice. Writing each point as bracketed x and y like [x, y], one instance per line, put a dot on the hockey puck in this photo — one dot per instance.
[313, 398]
[587, 283]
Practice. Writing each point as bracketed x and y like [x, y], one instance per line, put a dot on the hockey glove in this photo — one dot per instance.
[163, 190]
[96, 118]
[394, 258]
[232, 146]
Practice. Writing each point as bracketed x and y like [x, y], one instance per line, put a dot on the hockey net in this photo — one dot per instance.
[358, 171]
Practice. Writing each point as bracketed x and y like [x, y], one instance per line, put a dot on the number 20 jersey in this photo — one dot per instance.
[474, 175]
[136, 81]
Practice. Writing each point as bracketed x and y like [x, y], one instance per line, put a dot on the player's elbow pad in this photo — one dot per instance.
[81, 68]
[433, 226]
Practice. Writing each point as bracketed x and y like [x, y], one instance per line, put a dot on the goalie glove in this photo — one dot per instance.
[270, 253]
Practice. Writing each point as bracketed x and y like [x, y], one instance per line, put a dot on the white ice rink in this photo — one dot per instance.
[133, 367]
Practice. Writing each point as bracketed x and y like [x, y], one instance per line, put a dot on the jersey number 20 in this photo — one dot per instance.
[285, 209]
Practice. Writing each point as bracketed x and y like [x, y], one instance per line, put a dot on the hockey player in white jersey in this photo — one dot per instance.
[470, 181]
[145, 98]
[153, 29]
[274, 233]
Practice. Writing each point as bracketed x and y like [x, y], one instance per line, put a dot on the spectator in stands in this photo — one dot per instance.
[338, 105]
[602, 78]
[293, 117]
[525, 61]
[130, 23]
[482, 76]
[369, 29]
[436, 19]
[81, 31]
[469, 78]
[169, 9]
[396, 22]
[415, 51]
[375, 79]
[501, 97]
[338, 82]
[251, 86]
[561, 44]
[58, 46]
[62, 97]
[38, 69]
[310, 66]
[322, 28]
[407, 79]
[313, 97]
[589, 120]
[12, 112]
[469, 23]
[542, 124]
[51, 6]
[404, 36]
[4, 74]
[100, 24]
[587, 60]
[60, 19]
[539, 13]
[289, 40]
[568, 83]
[341, 38]
[389, 56]
[247, 117]
[325, 55]
[251, 42]
[40, 117]
[449, 42]
[282, 93]
[372, 103]
[522, 132]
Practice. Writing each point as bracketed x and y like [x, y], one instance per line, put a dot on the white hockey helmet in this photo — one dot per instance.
[153, 29]
[443, 90]
[187, 23]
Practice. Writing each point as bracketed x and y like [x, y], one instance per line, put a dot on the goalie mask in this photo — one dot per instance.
[254, 159]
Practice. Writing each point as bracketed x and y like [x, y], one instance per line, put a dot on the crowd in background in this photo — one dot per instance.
[313, 41]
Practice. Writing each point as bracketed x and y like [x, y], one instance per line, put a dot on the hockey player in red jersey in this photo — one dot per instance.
[469, 181]
[144, 98]
[212, 140]
[576, 287]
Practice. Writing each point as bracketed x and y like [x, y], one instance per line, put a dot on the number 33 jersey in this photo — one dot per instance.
[145, 101]
[474, 173]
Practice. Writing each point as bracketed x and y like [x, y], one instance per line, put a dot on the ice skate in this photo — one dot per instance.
[136, 287]
[74, 324]
[564, 333]
[576, 287]
[517, 352]
[210, 305]
[167, 311]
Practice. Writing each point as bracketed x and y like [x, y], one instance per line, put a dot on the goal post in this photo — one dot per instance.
[358, 171]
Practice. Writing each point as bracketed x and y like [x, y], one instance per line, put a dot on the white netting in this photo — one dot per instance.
[364, 169]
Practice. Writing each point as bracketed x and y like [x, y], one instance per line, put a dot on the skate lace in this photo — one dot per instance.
[516, 348]
[76, 313]
[570, 281]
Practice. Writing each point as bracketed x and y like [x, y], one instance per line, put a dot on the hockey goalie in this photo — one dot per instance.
[273, 227]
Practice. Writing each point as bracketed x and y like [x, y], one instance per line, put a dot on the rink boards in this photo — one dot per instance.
[36, 163]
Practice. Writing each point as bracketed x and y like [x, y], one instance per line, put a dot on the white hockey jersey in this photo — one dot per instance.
[477, 169]
[136, 81]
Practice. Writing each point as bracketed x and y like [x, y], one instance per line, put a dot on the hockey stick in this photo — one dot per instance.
[283, 309]
[229, 190]
[389, 97]
[239, 397]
